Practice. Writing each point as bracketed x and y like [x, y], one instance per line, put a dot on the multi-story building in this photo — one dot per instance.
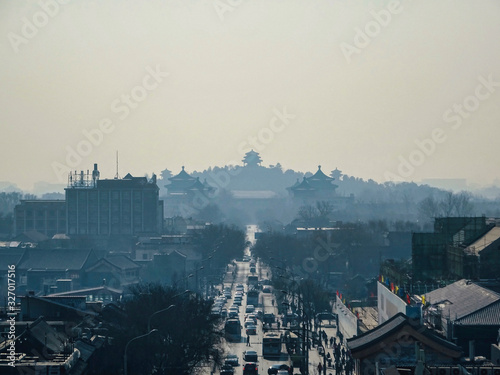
[443, 254]
[110, 207]
[44, 216]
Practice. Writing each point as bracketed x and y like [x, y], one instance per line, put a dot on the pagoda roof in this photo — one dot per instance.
[198, 185]
[304, 185]
[182, 176]
[319, 176]
[252, 153]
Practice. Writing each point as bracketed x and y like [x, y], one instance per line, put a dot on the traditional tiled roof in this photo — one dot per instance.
[122, 262]
[397, 322]
[487, 316]
[461, 299]
[183, 175]
[319, 176]
[377, 333]
[303, 186]
[54, 259]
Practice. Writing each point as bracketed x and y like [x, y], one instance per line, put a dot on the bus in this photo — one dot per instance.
[271, 344]
[232, 330]
[253, 280]
[253, 297]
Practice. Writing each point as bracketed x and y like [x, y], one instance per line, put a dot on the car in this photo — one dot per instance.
[240, 288]
[227, 370]
[273, 370]
[249, 322]
[252, 318]
[269, 318]
[237, 301]
[266, 289]
[282, 372]
[232, 359]
[251, 329]
[223, 313]
[250, 356]
[251, 369]
[249, 309]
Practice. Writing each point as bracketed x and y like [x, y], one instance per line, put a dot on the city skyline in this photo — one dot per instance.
[387, 91]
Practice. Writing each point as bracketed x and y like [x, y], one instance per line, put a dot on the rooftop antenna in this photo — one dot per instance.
[117, 176]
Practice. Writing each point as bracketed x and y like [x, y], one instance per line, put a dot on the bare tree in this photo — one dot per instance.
[447, 204]
[429, 207]
[463, 204]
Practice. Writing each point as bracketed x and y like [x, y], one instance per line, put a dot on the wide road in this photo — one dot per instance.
[265, 303]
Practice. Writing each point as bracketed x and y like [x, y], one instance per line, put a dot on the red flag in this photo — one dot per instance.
[337, 292]
[408, 299]
[340, 295]
[380, 278]
[392, 287]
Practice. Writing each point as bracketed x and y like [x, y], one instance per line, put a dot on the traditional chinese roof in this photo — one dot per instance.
[252, 158]
[183, 183]
[319, 176]
[317, 183]
[182, 176]
[376, 339]
[464, 298]
[55, 259]
[303, 186]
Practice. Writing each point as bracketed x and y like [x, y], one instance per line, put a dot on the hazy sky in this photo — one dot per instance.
[348, 84]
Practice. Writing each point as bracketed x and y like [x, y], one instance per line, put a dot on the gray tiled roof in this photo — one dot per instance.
[489, 315]
[391, 326]
[377, 333]
[462, 298]
[122, 262]
[54, 259]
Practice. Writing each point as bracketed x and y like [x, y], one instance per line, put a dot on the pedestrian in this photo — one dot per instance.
[331, 342]
[320, 367]
[248, 340]
[279, 324]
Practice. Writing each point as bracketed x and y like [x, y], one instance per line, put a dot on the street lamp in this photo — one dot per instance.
[126, 348]
[155, 313]
[305, 339]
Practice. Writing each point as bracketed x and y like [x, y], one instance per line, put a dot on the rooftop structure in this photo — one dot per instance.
[252, 159]
[127, 206]
[317, 186]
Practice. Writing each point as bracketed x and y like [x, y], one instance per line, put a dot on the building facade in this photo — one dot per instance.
[44, 216]
[109, 207]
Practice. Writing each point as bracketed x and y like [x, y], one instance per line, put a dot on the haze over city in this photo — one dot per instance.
[359, 85]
